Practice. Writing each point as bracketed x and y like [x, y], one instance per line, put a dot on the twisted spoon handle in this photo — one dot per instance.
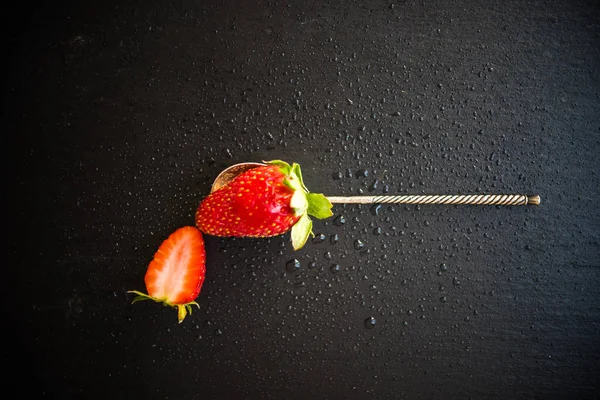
[478, 199]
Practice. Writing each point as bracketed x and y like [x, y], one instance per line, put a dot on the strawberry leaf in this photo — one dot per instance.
[296, 171]
[318, 205]
[140, 296]
[182, 311]
[301, 231]
[285, 168]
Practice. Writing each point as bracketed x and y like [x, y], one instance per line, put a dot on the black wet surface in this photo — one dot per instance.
[119, 116]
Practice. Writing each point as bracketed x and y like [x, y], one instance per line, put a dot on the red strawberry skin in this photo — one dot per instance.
[255, 204]
[176, 273]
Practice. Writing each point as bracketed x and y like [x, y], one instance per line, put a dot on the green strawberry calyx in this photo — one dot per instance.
[302, 202]
[182, 309]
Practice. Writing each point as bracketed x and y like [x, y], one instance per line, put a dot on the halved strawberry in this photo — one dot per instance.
[175, 275]
[263, 202]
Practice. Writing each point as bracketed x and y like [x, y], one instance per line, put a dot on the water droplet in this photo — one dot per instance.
[376, 209]
[292, 265]
[443, 267]
[334, 238]
[374, 185]
[377, 231]
[370, 323]
[319, 238]
[337, 176]
[328, 255]
[363, 173]
[455, 281]
[335, 268]
[339, 220]
[443, 299]
[358, 244]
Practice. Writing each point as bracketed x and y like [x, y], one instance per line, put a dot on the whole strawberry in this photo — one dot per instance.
[263, 202]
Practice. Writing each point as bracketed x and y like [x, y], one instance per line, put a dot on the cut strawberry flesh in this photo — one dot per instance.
[177, 271]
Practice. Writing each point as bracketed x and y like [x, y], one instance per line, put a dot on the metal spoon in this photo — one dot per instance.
[228, 174]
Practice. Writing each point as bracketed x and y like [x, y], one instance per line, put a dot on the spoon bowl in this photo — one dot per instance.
[229, 174]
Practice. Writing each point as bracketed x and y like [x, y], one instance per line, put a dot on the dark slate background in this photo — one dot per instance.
[118, 116]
